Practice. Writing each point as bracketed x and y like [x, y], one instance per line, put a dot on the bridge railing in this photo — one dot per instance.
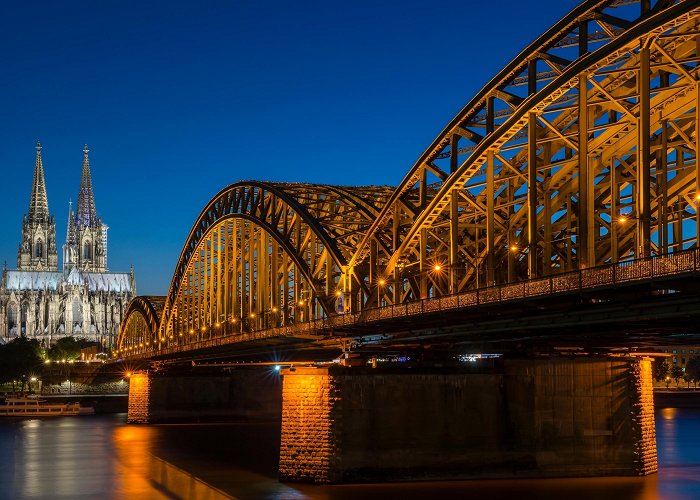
[609, 275]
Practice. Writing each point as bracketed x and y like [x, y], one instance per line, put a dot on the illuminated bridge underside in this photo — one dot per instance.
[580, 153]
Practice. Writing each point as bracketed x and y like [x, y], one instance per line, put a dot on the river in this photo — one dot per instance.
[101, 457]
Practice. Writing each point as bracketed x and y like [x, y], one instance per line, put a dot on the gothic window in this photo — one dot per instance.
[23, 317]
[12, 318]
[77, 313]
[39, 248]
[87, 250]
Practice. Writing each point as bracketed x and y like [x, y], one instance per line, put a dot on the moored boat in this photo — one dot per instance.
[23, 406]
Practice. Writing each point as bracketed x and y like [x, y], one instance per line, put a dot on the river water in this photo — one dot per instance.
[101, 457]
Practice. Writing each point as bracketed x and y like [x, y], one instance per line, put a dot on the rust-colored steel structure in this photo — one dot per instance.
[580, 153]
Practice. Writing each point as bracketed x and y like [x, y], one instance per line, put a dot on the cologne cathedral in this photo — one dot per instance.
[83, 299]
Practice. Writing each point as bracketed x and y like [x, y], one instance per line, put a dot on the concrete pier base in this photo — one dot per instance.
[534, 418]
[245, 394]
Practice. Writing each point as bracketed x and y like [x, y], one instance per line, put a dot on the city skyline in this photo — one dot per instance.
[175, 102]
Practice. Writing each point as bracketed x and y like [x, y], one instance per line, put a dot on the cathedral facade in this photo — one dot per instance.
[83, 299]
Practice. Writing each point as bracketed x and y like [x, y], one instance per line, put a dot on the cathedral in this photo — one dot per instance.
[83, 299]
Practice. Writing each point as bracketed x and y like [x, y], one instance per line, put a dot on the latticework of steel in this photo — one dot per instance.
[581, 152]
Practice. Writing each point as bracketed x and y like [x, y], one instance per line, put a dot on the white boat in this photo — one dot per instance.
[34, 407]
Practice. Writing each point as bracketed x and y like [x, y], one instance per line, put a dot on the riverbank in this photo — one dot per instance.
[677, 398]
[102, 403]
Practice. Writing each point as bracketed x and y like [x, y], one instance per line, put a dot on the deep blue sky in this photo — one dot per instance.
[177, 100]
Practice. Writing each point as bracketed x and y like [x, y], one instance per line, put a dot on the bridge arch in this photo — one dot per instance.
[503, 193]
[139, 328]
[263, 255]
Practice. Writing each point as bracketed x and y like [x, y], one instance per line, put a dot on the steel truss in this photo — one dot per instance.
[581, 152]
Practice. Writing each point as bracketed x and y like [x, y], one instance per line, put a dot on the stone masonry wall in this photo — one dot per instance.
[139, 409]
[643, 417]
[308, 449]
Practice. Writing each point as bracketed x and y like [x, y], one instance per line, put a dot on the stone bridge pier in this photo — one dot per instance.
[534, 418]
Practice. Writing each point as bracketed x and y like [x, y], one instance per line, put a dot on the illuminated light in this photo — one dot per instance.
[252, 315]
[204, 328]
[437, 268]
[180, 334]
[382, 282]
[33, 379]
[301, 302]
[233, 321]
[128, 374]
[622, 219]
[191, 331]
[697, 197]
[48, 361]
[277, 368]
[140, 344]
[274, 309]
[171, 337]
[338, 293]
[218, 325]
[514, 248]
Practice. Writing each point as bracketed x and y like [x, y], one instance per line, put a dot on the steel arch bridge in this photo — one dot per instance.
[580, 153]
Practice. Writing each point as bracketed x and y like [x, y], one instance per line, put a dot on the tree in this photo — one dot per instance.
[693, 369]
[676, 374]
[19, 360]
[68, 348]
[661, 370]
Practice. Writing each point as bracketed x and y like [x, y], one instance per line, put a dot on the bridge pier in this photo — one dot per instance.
[245, 393]
[530, 418]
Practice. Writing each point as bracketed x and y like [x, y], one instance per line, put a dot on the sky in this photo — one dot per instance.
[178, 99]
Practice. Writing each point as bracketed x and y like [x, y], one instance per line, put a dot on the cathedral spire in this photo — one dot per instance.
[70, 231]
[86, 215]
[38, 202]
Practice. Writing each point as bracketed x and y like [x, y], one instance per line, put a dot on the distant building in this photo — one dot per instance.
[84, 299]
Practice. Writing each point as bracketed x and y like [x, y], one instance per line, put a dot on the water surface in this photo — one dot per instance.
[103, 457]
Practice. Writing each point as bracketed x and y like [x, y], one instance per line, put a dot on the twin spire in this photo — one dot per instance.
[86, 215]
[38, 202]
[86, 238]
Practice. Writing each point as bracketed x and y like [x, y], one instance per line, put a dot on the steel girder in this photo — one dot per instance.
[580, 152]
[139, 328]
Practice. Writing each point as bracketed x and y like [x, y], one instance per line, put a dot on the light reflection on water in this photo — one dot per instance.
[102, 457]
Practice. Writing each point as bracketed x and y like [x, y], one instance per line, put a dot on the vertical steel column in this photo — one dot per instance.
[490, 222]
[644, 157]
[398, 279]
[696, 194]
[285, 289]
[614, 215]
[584, 202]
[532, 175]
[423, 263]
[662, 182]
[454, 240]
[219, 268]
[510, 256]
[532, 196]
[547, 213]
[236, 255]
[275, 281]
[454, 217]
